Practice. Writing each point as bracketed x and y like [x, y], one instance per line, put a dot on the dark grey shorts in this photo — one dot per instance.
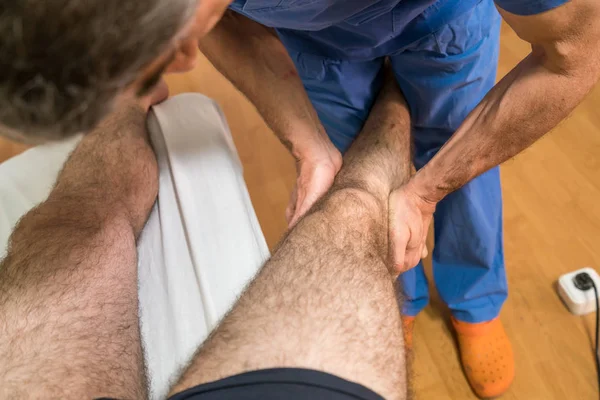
[280, 384]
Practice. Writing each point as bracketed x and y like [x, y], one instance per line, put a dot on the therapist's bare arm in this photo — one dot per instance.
[533, 98]
[253, 58]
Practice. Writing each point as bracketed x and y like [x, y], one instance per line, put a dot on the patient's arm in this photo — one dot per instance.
[326, 300]
[68, 286]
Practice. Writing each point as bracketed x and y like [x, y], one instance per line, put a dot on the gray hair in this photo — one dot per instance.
[62, 62]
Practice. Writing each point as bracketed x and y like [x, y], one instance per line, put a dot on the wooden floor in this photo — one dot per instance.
[552, 226]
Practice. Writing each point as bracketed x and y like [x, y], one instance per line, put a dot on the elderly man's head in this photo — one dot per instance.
[64, 62]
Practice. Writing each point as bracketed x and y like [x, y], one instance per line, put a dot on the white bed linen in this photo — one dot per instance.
[202, 243]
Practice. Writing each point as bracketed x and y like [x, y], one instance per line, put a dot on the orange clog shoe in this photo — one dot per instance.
[487, 356]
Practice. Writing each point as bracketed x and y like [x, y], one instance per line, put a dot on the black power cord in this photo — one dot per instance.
[585, 282]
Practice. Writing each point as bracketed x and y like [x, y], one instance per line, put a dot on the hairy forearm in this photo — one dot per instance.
[529, 102]
[253, 58]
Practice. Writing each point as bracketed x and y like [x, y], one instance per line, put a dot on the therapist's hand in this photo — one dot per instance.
[409, 218]
[316, 169]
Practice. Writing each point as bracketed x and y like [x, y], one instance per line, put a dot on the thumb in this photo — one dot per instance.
[300, 194]
[399, 240]
[399, 236]
[303, 204]
[290, 210]
[424, 251]
[311, 191]
[309, 200]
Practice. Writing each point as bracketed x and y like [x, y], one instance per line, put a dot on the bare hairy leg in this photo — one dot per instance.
[68, 286]
[326, 300]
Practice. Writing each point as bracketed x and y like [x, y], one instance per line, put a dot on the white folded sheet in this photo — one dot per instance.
[202, 243]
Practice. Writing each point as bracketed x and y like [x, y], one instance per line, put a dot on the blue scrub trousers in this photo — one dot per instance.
[443, 77]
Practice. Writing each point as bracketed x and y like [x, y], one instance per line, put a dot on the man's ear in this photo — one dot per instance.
[185, 57]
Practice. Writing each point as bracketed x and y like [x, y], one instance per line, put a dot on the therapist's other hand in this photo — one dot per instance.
[409, 218]
[316, 169]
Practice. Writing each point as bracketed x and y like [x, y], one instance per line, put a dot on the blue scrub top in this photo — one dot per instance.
[365, 29]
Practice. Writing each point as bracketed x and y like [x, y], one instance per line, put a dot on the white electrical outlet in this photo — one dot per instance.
[579, 302]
